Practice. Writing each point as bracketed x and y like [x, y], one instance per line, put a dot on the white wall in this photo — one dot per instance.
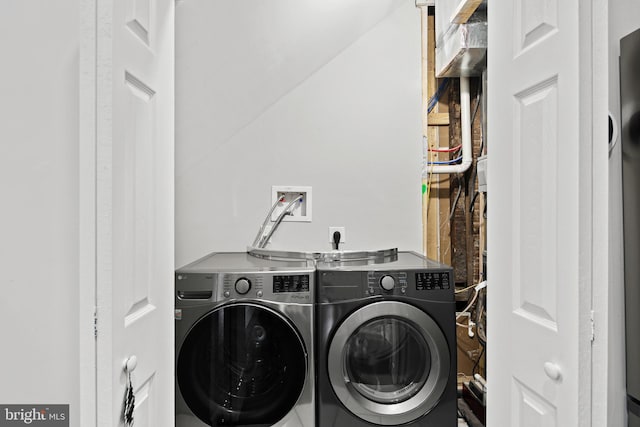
[39, 187]
[327, 94]
[624, 17]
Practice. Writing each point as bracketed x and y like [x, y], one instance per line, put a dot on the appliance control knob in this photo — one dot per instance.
[243, 286]
[387, 283]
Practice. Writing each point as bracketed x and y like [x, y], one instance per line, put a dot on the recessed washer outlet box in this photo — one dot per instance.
[300, 211]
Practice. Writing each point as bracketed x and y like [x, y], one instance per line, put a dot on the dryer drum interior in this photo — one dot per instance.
[388, 362]
[242, 364]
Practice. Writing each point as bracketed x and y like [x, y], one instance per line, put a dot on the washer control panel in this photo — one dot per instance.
[293, 287]
[291, 283]
[236, 285]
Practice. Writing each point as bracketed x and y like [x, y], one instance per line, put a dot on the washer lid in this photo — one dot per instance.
[389, 363]
[242, 364]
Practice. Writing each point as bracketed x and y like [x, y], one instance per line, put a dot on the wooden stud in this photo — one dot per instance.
[436, 238]
[463, 12]
[438, 119]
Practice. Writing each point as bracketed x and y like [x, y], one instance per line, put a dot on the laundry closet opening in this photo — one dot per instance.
[339, 104]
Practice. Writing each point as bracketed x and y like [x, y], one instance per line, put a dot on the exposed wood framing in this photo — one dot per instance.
[464, 11]
[455, 242]
[438, 119]
[437, 243]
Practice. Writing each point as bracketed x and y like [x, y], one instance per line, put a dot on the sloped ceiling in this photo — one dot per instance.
[240, 57]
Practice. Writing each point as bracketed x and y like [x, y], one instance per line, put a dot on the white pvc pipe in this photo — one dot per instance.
[465, 124]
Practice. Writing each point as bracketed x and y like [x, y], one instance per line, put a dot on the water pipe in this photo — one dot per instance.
[286, 211]
[465, 124]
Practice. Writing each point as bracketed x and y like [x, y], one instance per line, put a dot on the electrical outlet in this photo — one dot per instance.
[343, 234]
[300, 211]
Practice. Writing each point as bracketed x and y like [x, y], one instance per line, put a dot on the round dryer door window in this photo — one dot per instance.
[389, 363]
[242, 364]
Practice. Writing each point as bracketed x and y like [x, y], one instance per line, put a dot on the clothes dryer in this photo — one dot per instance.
[386, 344]
[244, 342]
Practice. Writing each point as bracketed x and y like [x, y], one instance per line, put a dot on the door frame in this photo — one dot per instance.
[597, 22]
[87, 327]
[595, 311]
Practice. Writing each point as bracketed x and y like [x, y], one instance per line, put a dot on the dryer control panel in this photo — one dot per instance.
[336, 285]
[432, 280]
[386, 283]
[397, 282]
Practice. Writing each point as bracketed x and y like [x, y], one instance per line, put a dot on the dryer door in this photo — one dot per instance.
[242, 364]
[388, 363]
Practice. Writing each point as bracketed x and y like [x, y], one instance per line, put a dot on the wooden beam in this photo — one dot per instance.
[438, 119]
[464, 11]
[436, 237]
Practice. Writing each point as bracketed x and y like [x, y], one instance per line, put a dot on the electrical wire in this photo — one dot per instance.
[447, 150]
[468, 307]
[478, 288]
[455, 201]
[429, 183]
[465, 289]
[473, 200]
[433, 101]
[429, 187]
[473, 370]
[462, 325]
[445, 162]
[475, 110]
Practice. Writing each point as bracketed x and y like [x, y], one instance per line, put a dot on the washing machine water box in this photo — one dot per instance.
[244, 342]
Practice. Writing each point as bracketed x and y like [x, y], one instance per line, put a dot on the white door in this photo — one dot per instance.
[541, 214]
[134, 203]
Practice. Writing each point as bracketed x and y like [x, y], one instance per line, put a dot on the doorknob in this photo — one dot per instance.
[130, 364]
[553, 371]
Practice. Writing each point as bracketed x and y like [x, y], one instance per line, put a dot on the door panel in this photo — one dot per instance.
[135, 209]
[138, 18]
[535, 202]
[531, 409]
[540, 223]
[534, 21]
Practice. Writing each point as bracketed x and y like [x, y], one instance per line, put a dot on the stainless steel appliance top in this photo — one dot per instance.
[222, 262]
[404, 260]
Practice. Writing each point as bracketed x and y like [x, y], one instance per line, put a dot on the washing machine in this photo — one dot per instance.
[244, 342]
[386, 341]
